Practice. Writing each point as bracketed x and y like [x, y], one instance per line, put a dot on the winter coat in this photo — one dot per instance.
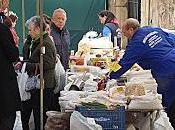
[9, 93]
[49, 60]
[26, 47]
[62, 41]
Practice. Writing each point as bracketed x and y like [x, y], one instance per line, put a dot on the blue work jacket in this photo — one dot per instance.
[152, 49]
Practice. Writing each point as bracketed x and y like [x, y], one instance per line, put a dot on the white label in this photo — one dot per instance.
[91, 120]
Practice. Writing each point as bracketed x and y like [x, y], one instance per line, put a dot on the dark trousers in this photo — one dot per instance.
[25, 114]
[34, 104]
[7, 121]
[56, 105]
[166, 87]
[171, 114]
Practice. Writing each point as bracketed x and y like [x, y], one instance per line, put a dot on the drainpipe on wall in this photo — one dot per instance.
[134, 9]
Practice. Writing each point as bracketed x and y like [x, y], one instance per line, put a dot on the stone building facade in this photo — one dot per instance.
[158, 13]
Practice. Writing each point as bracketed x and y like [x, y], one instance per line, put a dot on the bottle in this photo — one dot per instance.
[115, 41]
[78, 83]
[72, 52]
[116, 53]
[110, 37]
[119, 37]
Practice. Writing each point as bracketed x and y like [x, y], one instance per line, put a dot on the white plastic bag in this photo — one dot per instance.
[79, 122]
[131, 127]
[22, 79]
[149, 101]
[18, 123]
[162, 122]
[59, 76]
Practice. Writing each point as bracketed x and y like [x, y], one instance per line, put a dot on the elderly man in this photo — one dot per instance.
[153, 49]
[9, 92]
[61, 39]
[61, 36]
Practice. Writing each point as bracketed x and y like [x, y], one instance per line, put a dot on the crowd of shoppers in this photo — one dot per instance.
[53, 36]
[152, 48]
[10, 98]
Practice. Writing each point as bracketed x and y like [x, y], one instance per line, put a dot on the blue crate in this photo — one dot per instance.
[108, 119]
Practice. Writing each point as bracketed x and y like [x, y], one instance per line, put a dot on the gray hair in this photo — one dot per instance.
[35, 20]
[132, 23]
[59, 10]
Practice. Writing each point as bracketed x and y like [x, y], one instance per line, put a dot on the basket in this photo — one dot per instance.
[108, 119]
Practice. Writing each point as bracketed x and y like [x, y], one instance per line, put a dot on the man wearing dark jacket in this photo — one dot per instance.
[9, 92]
[61, 39]
[61, 36]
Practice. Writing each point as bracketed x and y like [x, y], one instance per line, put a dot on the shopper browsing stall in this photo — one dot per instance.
[32, 68]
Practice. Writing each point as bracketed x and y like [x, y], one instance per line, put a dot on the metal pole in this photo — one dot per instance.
[42, 51]
[149, 13]
[37, 7]
[23, 21]
[8, 8]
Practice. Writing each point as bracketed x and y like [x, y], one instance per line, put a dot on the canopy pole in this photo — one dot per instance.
[23, 21]
[42, 52]
[37, 7]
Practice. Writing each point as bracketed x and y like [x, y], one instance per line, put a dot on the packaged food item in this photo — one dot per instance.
[135, 89]
[80, 68]
[117, 90]
[94, 105]
[99, 61]
[102, 83]
[75, 60]
[78, 83]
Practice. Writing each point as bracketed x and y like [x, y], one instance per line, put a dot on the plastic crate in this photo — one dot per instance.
[108, 119]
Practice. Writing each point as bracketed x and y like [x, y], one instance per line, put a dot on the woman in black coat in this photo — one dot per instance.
[9, 92]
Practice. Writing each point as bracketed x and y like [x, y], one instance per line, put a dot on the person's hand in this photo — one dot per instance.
[18, 65]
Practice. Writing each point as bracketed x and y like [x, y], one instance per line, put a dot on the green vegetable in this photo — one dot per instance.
[94, 105]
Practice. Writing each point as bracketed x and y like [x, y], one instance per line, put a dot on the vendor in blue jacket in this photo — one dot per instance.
[153, 49]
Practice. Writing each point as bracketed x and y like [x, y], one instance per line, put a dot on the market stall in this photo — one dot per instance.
[132, 99]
